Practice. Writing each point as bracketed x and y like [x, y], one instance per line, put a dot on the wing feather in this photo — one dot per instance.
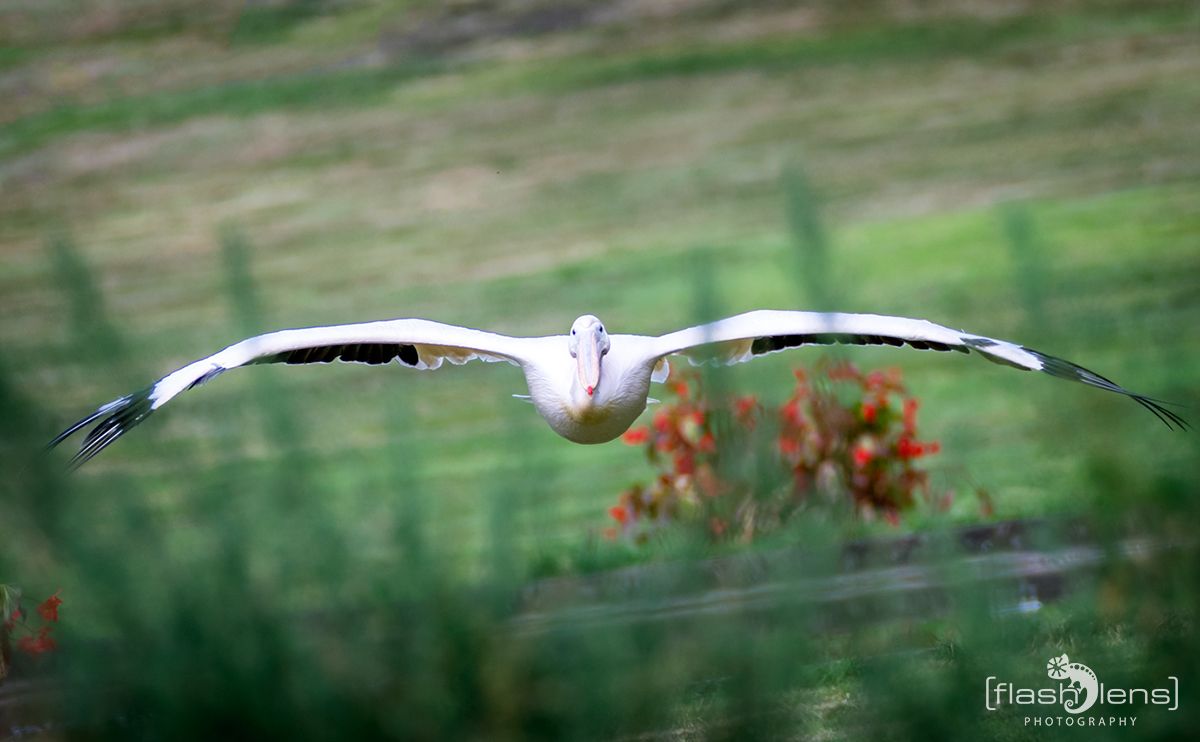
[415, 343]
[753, 334]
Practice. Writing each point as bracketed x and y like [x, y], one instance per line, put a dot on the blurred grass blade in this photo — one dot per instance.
[283, 426]
[1030, 272]
[95, 338]
[809, 239]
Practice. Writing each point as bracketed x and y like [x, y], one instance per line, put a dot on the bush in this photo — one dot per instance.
[843, 435]
[33, 639]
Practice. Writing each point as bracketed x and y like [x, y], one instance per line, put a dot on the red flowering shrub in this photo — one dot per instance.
[14, 619]
[848, 435]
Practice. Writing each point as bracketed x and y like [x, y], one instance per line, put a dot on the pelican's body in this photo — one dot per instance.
[588, 385]
[616, 401]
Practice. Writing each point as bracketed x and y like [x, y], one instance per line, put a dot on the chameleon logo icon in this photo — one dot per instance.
[1083, 681]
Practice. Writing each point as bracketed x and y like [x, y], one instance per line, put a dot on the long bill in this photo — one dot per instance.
[588, 359]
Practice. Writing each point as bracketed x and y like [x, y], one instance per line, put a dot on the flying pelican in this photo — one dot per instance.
[588, 385]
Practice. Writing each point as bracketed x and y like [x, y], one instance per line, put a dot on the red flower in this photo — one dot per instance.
[49, 607]
[698, 417]
[868, 412]
[791, 412]
[907, 448]
[681, 389]
[788, 446]
[707, 443]
[636, 436]
[662, 421]
[910, 415]
[862, 456]
[745, 410]
[684, 463]
[910, 449]
[39, 644]
[619, 514]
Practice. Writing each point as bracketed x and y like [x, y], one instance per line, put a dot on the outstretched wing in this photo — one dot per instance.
[753, 334]
[416, 343]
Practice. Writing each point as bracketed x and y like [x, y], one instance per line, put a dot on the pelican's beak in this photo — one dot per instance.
[588, 358]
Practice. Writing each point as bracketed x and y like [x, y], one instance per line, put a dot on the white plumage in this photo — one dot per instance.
[588, 385]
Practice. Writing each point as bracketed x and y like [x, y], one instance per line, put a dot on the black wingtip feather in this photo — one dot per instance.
[118, 417]
[1066, 370]
[1169, 418]
[85, 421]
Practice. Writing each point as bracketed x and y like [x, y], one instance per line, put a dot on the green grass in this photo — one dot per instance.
[310, 91]
[272, 23]
[944, 39]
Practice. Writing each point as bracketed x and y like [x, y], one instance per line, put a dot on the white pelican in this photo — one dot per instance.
[588, 385]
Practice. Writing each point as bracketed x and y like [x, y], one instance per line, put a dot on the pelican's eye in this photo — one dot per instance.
[601, 328]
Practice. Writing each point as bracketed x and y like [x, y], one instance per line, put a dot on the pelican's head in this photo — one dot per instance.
[588, 343]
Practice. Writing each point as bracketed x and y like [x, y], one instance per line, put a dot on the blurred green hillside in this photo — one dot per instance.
[174, 176]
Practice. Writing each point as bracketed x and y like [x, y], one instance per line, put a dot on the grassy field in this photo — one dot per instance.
[1026, 171]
